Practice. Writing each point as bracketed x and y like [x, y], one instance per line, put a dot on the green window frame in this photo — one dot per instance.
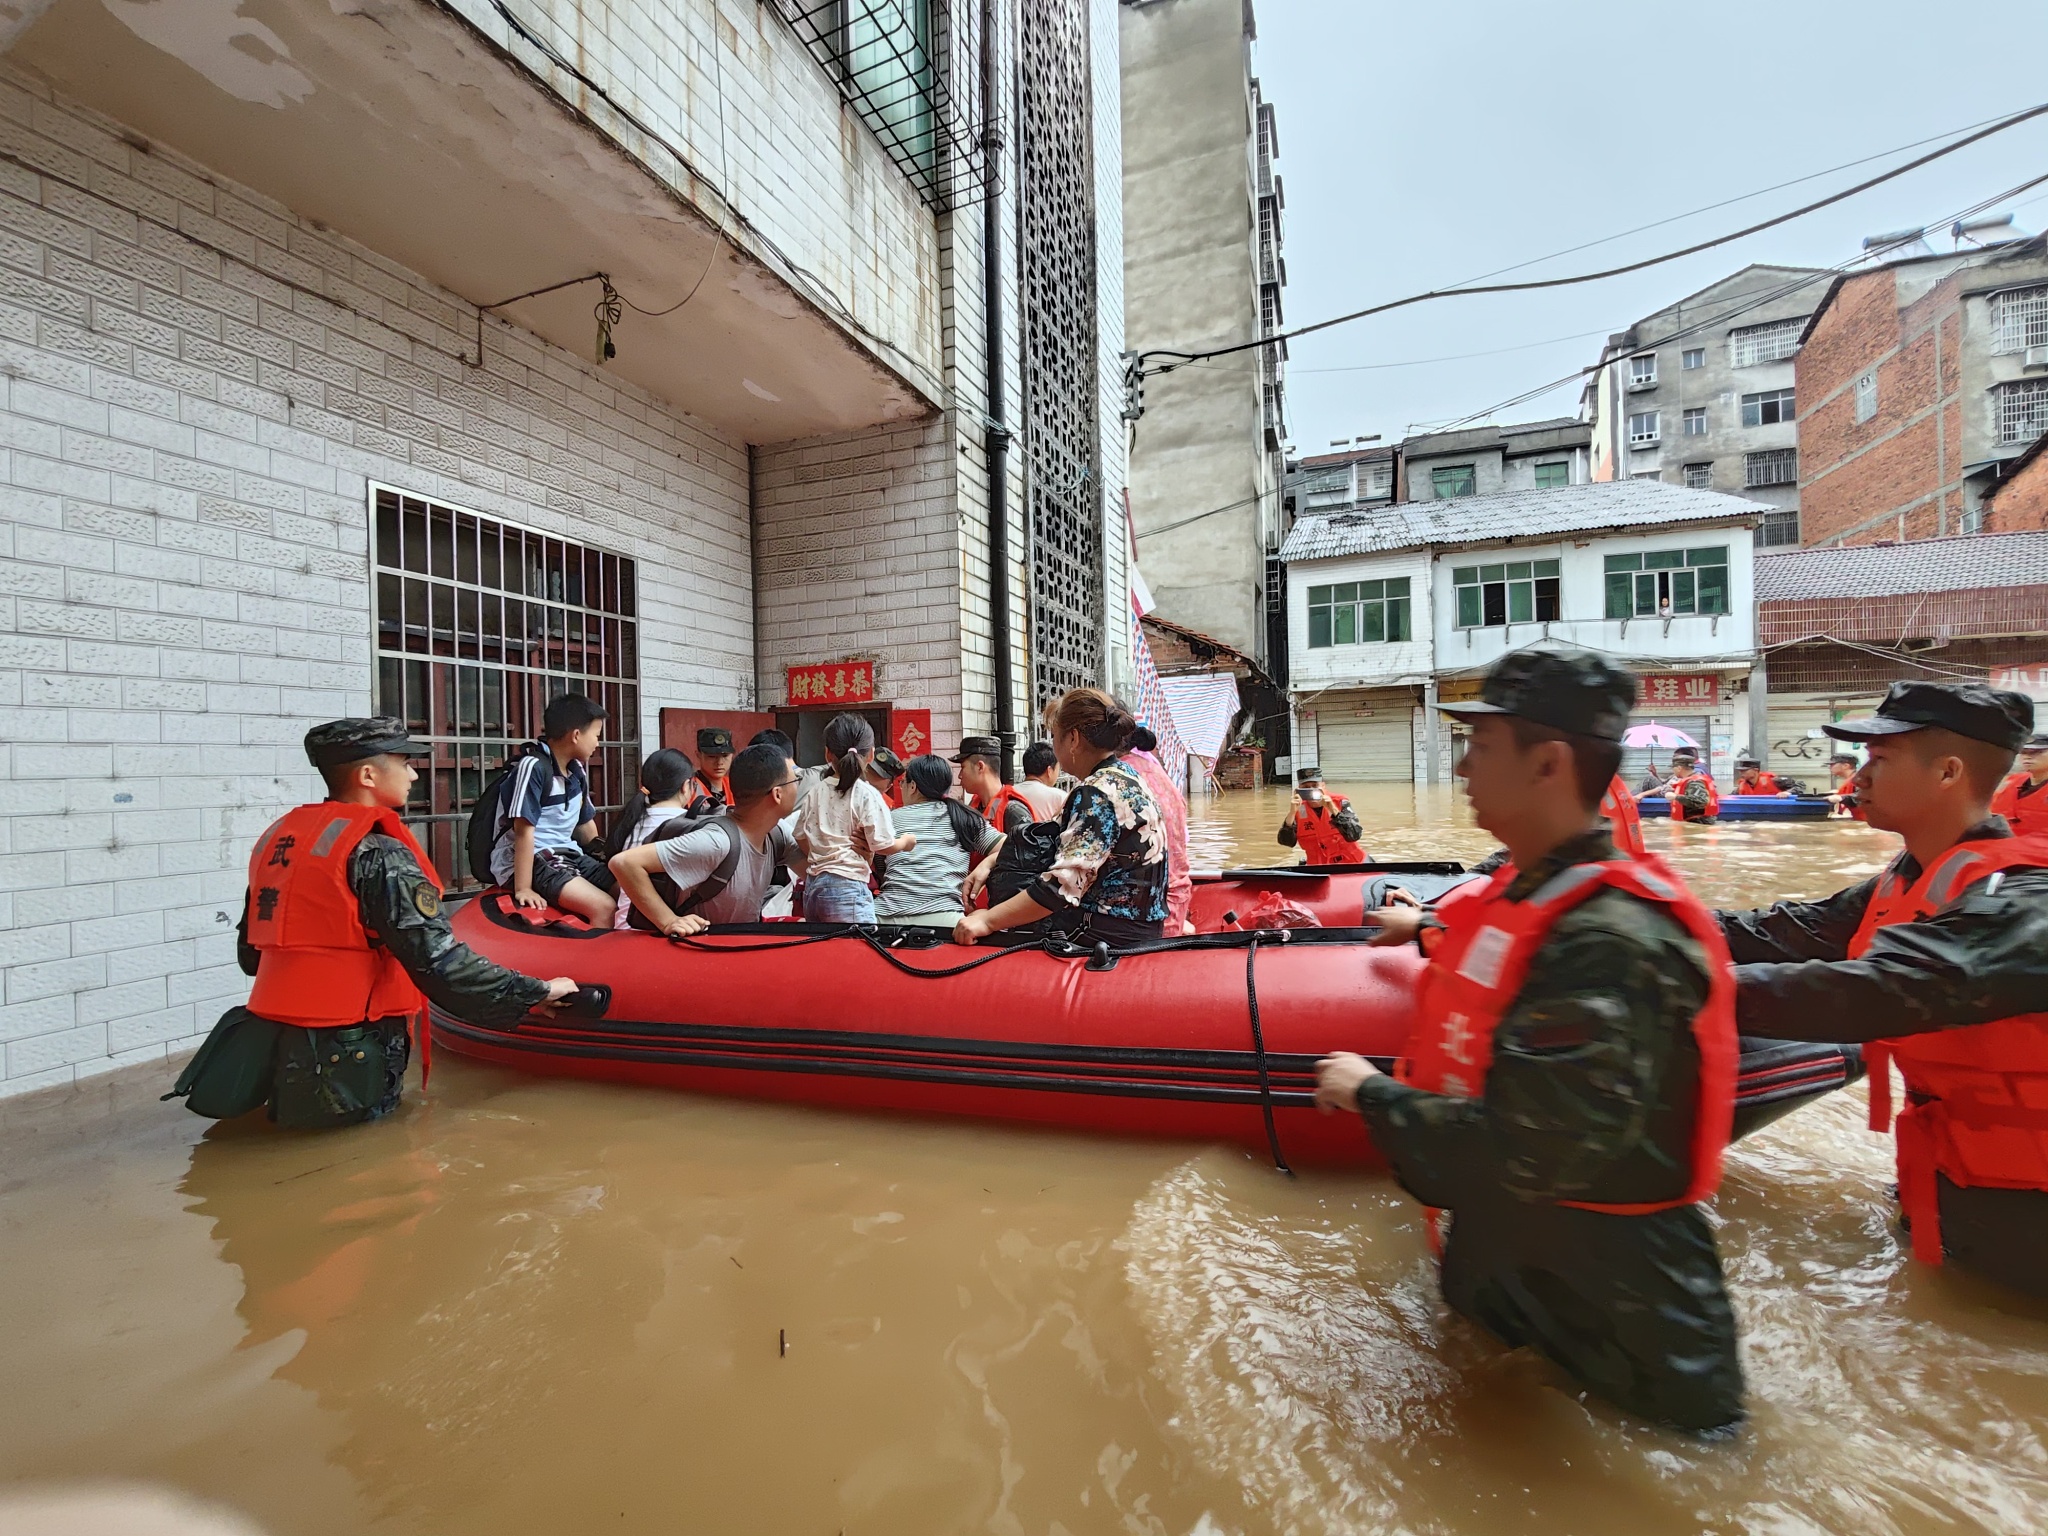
[1359, 613]
[1511, 592]
[1448, 481]
[1691, 581]
[1550, 476]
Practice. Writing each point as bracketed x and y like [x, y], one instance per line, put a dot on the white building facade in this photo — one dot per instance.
[1397, 609]
[308, 411]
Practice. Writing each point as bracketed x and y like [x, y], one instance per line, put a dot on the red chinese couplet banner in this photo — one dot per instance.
[2030, 680]
[832, 682]
[910, 732]
[1701, 689]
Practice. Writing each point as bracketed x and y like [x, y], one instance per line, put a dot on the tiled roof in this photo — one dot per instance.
[1510, 515]
[1921, 565]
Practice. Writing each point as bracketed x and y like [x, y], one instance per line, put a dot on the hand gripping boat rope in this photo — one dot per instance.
[1251, 992]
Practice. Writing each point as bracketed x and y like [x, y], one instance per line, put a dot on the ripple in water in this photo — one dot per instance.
[1302, 1335]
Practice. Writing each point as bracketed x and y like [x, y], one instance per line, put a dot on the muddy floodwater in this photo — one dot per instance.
[530, 1306]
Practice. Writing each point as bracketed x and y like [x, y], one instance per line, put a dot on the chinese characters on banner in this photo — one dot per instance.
[2030, 680]
[1699, 690]
[851, 683]
[910, 732]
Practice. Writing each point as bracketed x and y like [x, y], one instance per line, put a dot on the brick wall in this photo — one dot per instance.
[1987, 611]
[2021, 502]
[1899, 474]
[199, 388]
[858, 554]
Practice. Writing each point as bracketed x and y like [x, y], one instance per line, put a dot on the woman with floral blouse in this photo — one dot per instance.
[1108, 880]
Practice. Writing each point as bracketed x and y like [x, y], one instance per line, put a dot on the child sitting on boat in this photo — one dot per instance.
[923, 888]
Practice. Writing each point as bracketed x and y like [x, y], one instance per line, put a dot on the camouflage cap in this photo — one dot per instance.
[350, 741]
[1579, 692]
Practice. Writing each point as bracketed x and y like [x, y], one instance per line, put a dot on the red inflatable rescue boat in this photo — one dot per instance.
[1211, 1038]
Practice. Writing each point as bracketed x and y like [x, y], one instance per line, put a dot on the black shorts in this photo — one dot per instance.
[554, 868]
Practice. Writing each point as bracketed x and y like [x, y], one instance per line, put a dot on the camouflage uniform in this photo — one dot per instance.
[1590, 1097]
[1983, 958]
[402, 910]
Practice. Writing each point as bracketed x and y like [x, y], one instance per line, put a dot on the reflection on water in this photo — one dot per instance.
[536, 1306]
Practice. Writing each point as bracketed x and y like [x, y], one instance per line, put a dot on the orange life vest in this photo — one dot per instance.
[1620, 809]
[1980, 1114]
[2024, 815]
[1677, 787]
[999, 806]
[1762, 784]
[1477, 970]
[1316, 834]
[714, 789]
[318, 967]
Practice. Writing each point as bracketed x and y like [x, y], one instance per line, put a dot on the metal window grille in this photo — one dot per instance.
[1694, 420]
[883, 56]
[2019, 319]
[2022, 410]
[1643, 427]
[479, 624]
[1056, 194]
[1271, 317]
[1773, 466]
[1768, 408]
[1699, 477]
[1778, 529]
[1375, 480]
[1770, 342]
[1643, 370]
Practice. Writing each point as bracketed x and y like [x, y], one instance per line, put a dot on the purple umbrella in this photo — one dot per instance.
[1655, 735]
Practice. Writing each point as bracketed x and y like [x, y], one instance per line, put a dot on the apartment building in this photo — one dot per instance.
[1203, 266]
[435, 356]
[1921, 382]
[1701, 393]
[1396, 608]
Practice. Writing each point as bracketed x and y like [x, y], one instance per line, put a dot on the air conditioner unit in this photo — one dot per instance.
[2035, 357]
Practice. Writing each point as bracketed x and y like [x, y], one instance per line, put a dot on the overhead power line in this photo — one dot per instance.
[1138, 367]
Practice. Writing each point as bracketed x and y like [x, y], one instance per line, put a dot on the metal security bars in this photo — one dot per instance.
[2019, 319]
[1771, 342]
[1063, 476]
[883, 57]
[2022, 410]
[479, 624]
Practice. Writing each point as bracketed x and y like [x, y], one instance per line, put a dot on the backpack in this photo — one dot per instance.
[481, 835]
[714, 884]
[1026, 854]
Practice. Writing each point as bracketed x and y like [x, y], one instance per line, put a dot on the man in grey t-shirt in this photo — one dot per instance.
[763, 786]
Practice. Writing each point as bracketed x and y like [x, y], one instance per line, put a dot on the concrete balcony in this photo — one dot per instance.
[712, 172]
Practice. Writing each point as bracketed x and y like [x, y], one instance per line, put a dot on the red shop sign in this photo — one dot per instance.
[1700, 689]
[832, 682]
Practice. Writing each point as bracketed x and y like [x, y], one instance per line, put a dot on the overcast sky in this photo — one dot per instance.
[1427, 144]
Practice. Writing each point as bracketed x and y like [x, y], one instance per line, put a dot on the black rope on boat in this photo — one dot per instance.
[687, 941]
[1251, 992]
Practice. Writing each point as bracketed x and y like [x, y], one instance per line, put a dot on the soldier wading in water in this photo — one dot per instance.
[343, 930]
[1569, 1085]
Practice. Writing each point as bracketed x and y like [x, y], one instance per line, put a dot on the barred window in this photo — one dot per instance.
[1326, 487]
[1774, 466]
[1778, 529]
[2022, 410]
[1375, 480]
[1699, 477]
[479, 624]
[2019, 319]
[1749, 345]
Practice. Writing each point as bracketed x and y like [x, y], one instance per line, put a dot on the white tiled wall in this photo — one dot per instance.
[184, 450]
